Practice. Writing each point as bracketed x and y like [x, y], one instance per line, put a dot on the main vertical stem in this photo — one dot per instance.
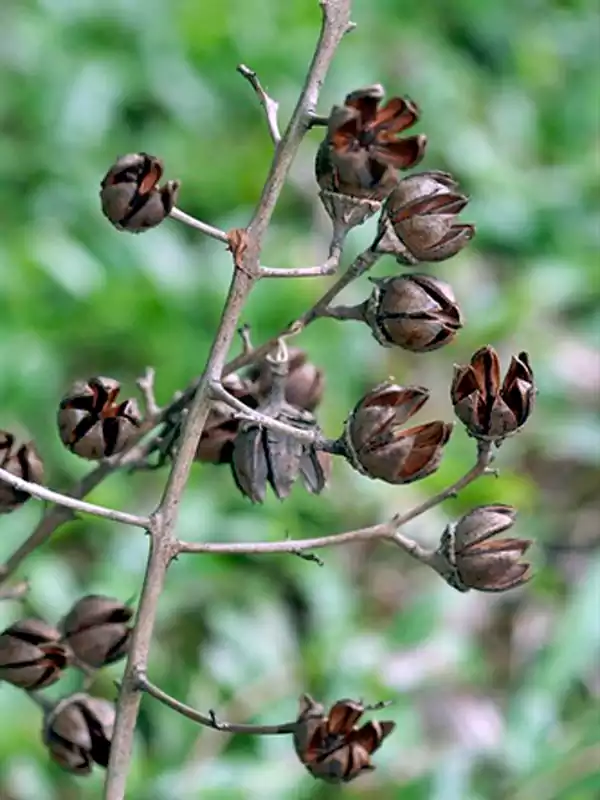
[336, 20]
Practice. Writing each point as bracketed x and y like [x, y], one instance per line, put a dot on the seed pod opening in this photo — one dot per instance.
[22, 461]
[92, 423]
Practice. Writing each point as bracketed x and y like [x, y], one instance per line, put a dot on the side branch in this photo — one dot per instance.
[41, 493]
[210, 720]
[270, 106]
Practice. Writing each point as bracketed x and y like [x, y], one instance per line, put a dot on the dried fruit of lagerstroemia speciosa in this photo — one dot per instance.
[362, 150]
[264, 456]
[31, 655]
[304, 384]
[491, 410]
[24, 462]
[131, 197]
[331, 746]
[222, 425]
[420, 219]
[90, 421]
[377, 445]
[78, 733]
[480, 561]
[416, 312]
[96, 630]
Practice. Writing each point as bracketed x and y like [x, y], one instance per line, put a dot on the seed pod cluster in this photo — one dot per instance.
[377, 445]
[78, 733]
[130, 195]
[23, 462]
[480, 561]
[264, 456]
[90, 421]
[31, 655]
[331, 746]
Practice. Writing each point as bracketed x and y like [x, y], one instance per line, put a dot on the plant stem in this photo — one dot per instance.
[336, 18]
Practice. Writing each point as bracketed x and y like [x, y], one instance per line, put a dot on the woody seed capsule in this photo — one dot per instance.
[78, 733]
[31, 656]
[96, 630]
[416, 312]
[23, 462]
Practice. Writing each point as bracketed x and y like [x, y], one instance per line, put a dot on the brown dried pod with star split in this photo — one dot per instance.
[331, 745]
[92, 423]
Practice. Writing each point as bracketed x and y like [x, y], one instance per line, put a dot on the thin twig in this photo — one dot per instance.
[203, 227]
[247, 266]
[328, 268]
[210, 720]
[270, 106]
[310, 436]
[359, 267]
[146, 386]
[41, 493]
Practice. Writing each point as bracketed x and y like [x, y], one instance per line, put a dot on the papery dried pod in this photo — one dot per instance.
[376, 444]
[222, 426]
[264, 456]
[31, 655]
[96, 630]
[331, 746]
[489, 409]
[361, 151]
[78, 732]
[131, 197]
[90, 421]
[480, 562]
[416, 312]
[420, 219]
[23, 462]
[304, 384]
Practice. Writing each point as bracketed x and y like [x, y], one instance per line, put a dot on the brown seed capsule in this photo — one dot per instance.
[24, 462]
[480, 562]
[90, 421]
[378, 446]
[416, 312]
[96, 630]
[491, 410]
[304, 384]
[31, 656]
[332, 747]
[264, 456]
[419, 222]
[222, 426]
[78, 733]
[130, 195]
[361, 152]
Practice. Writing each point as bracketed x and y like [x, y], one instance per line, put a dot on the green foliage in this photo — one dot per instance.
[495, 698]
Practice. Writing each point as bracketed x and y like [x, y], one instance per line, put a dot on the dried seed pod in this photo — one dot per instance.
[376, 444]
[480, 562]
[92, 424]
[419, 220]
[491, 410]
[96, 630]
[78, 733]
[264, 456]
[24, 462]
[222, 426]
[416, 312]
[31, 655]
[130, 195]
[356, 162]
[304, 384]
[332, 747]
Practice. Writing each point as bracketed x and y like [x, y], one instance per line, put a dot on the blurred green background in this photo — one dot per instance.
[496, 698]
